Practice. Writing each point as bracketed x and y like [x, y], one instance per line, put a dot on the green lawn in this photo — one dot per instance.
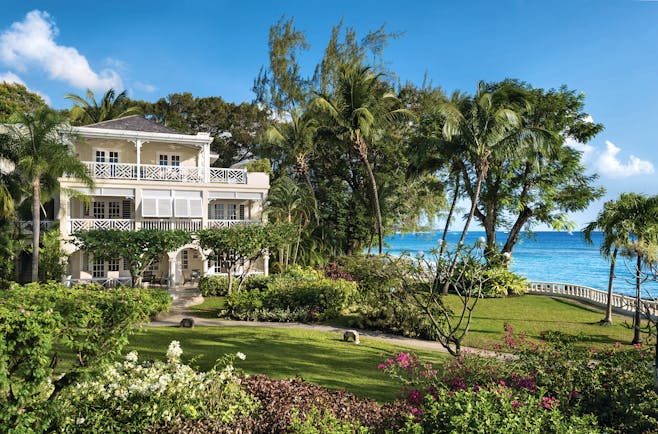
[209, 307]
[530, 314]
[533, 314]
[319, 357]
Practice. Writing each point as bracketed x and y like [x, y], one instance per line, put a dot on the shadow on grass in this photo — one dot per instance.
[319, 357]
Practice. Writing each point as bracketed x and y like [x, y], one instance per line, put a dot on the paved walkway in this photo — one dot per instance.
[184, 298]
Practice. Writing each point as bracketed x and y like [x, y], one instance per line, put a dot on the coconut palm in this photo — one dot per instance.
[42, 153]
[612, 221]
[297, 139]
[89, 111]
[360, 108]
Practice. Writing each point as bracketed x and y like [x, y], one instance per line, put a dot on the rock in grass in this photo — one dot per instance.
[351, 335]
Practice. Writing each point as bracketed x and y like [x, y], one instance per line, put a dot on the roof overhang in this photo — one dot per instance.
[200, 139]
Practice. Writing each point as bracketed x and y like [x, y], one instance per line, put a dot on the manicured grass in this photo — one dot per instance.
[319, 357]
[533, 314]
[209, 308]
[529, 314]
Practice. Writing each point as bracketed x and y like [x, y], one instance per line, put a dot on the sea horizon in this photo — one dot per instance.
[547, 256]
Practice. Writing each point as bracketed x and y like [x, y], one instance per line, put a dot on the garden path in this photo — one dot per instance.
[184, 298]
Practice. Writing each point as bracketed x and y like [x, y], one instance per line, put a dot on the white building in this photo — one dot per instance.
[150, 176]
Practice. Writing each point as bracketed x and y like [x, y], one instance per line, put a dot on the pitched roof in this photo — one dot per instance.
[134, 123]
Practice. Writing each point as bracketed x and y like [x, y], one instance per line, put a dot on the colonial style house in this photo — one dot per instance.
[151, 176]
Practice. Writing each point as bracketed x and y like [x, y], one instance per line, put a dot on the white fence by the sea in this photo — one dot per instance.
[623, 304]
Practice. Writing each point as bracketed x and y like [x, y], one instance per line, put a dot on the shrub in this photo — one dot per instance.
[614, 385]
[129, 396]
[43, 324]
[300, 295]
[494, 411]
[501, 282]
[213, 285]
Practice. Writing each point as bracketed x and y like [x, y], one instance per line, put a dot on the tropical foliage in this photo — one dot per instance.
[87, 110]
[139, 249]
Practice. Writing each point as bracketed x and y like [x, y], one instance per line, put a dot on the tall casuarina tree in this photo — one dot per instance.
[359, 109]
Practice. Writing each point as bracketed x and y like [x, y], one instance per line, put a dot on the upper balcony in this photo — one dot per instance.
[154, 172]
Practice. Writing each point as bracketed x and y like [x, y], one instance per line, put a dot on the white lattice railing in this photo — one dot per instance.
[228, 176]
[76, 225]
[108, 282]
[620, 302]
[154, 172]
[189, 225]
[111, 170]
[212, 224]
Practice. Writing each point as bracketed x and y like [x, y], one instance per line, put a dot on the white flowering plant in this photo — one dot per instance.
[130, 396]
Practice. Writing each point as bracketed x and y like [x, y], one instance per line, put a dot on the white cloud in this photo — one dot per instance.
[588, 151]
[10, 77]
[144, 87]
[31, 43]
[608, 164]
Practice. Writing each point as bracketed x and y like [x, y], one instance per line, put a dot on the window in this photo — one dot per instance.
[98, 269]
[125, 266]
[232, 212]
[100, 156]
[185, 259]
[114, 210]
[218, 209]
[175, 160]
[99, 210]
[169, 160]
[113, 157]
[113, 265]
[163, 160]
[241, 212]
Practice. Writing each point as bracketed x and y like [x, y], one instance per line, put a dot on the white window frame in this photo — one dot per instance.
[106, 156]
[168, 159]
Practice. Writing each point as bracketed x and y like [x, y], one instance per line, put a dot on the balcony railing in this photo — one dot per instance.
[212, 224]
[190, 225]
[76, 225]
[27, 226]
[153, 172]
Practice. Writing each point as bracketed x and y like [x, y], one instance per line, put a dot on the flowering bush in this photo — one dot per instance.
[614, 385]
[43, 324]
[499, 410]
[130, 396]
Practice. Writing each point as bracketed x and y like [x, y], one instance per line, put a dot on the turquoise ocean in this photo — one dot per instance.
[542, 256]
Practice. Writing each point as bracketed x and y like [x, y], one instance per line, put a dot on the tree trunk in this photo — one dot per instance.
[474, 203]
[375, 197]
[515, 231]
[449, 217]
[638, 300]
[36, 227]
[608, 308]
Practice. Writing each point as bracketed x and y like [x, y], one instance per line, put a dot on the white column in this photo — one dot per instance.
[172, 272]
[138, 145]
[206, 162]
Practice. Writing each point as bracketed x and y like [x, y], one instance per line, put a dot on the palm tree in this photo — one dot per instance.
[89, 111]
[296, 138]
[612, 222]
[287, 202]
[42, 154]
[481, 126]
[360, 108]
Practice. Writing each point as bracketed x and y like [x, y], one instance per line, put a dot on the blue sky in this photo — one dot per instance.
[607, 49]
